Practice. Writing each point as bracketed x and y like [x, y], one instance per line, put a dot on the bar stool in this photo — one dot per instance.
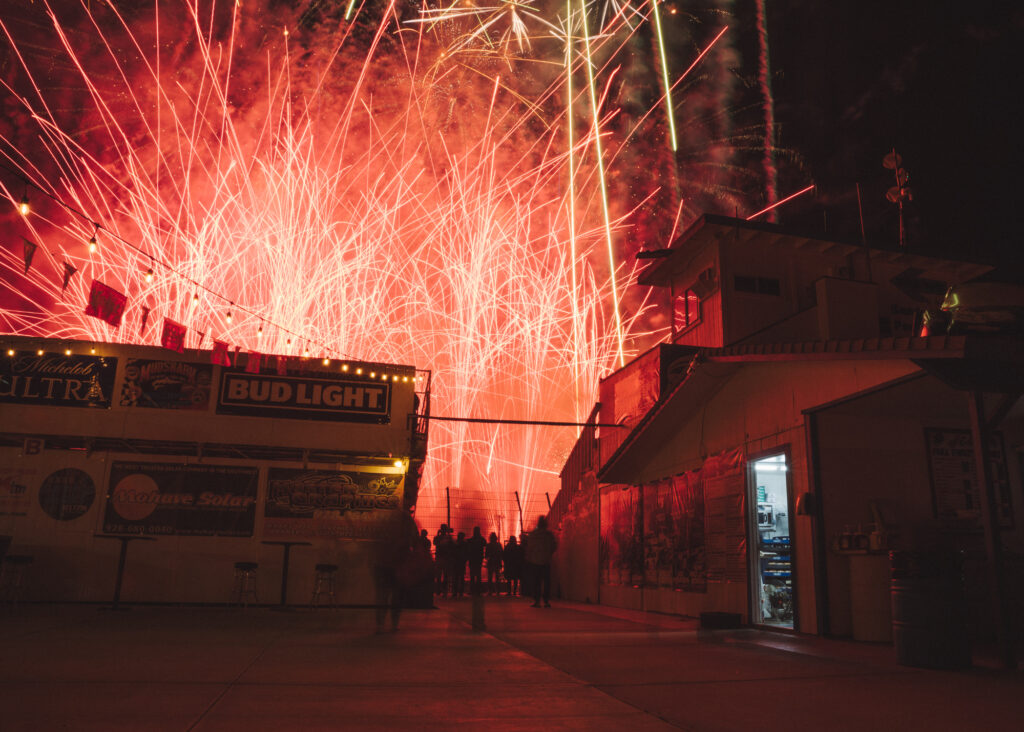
[12, 576]
[323, 583]
[245, 584]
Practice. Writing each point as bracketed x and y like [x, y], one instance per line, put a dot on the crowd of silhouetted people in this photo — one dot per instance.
[411, 568]
[520, 567]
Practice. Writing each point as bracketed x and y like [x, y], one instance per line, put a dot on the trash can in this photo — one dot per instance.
[929, 610]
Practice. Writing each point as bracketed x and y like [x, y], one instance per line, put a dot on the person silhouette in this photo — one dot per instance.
[512, 558]
[539, 550]
[493, 554]
[475, 546]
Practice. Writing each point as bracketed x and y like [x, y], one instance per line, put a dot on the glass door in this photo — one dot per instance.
[771, 561]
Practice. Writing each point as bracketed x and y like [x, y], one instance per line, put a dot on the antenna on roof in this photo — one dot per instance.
[900, 192]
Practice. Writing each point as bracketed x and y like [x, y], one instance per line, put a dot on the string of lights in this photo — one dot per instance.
[24, 207]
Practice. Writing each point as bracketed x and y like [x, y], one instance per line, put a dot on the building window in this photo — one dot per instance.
[757, 285]
[687, 310]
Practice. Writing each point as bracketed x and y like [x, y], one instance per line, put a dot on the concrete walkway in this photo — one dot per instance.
[571, 667]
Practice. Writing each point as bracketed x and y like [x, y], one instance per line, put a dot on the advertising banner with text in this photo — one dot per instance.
[56, 380]
[320, 396]
[166, 384]
[183, 500]
[321, 504]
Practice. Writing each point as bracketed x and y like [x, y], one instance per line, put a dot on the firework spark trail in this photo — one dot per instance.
[392, 199]
[764, 77]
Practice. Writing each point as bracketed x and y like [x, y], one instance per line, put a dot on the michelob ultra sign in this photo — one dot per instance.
[304, 397]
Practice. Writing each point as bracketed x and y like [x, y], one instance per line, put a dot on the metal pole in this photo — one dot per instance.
[448, 501]
[521, 529]
[549, 499]
[981, 432]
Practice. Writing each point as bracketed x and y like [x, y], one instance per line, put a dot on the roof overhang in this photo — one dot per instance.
[980, 362]
[710, 229]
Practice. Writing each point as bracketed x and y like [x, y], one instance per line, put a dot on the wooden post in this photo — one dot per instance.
[521, 529]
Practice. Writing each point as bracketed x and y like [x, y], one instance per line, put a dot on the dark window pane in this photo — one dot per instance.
[745, 284]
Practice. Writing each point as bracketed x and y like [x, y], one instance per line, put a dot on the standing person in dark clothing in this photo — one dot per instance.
[513, 559]
[493, 553]
[460, 554]
[393, 554]
[443, 550]
[539, 550]
[475, 546]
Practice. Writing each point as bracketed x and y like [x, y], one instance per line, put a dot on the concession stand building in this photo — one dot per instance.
[211, 464]
[803, 421]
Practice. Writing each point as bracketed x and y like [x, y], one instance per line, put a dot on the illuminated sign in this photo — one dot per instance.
[56, 380]
[304, 397]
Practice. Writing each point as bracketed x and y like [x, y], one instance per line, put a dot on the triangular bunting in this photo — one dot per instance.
[30, 251]
[252, 363]
[173, 336]
[106, 303]
[219, 355]
[199, 342]
[145, 317]
[282, 365]
[69, 271]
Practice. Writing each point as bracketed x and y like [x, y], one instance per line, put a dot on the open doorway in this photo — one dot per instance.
[771, 558]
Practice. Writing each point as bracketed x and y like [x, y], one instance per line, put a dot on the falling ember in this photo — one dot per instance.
[359, 180]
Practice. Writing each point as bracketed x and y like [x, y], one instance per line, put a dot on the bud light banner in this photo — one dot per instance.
[304, 397]
[166, 384]
[56, 380]
[182, 500]
[330, 504]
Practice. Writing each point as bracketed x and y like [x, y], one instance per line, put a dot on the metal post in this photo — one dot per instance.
[981, 432]
[549, 499]
[448, 500]
[521, 529]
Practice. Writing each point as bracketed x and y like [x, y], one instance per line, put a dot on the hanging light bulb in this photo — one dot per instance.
[259, 331]
[344, 367]
[195, 298]
[305, 353]
[288, 342]
[228, 317]
[93, 244]
[327, 362]
[149, 272]
[23, 206]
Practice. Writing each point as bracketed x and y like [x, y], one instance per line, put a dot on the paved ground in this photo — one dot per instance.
[571, 667]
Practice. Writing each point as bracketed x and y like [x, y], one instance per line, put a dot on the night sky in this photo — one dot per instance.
[940, 82]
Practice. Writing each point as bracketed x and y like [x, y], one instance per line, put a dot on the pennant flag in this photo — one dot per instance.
[201, 333]
[237, 349]
[145, 317]
[30, 251]
[252, 363]
[173, 336]
[282, 365]
[68, 272]
[219, 355]
[106, 303]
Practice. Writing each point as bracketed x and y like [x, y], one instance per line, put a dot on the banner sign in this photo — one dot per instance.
[304, 397]
[55, 380]
[182, 500]
[166, 384]
[331, 504]
[953, 470]
[14, 484]
[67, 494]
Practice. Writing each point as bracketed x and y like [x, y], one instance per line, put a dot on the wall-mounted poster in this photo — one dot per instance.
[14, 484]
[166, 384]
[344, 504]
[621, 549]
[67, 494]
[955, 494]
[183, 500]
[319, 396]
[56, 380]
[674, 551]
